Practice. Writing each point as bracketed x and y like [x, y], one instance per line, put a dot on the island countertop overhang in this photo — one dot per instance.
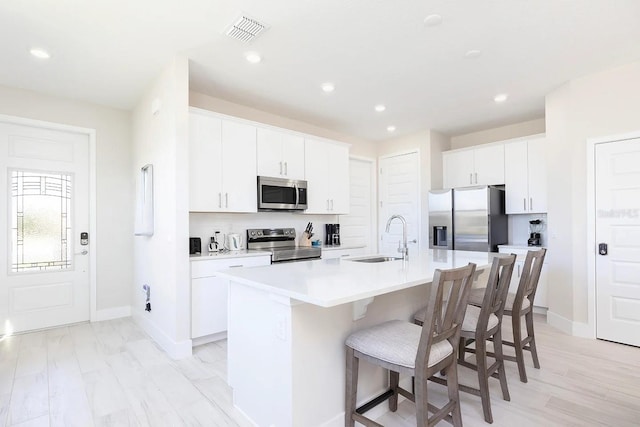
[332, 282]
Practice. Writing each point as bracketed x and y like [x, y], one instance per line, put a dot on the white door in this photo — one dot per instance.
[399, 191]
[618, 227]
[44, 208]
[358, 227]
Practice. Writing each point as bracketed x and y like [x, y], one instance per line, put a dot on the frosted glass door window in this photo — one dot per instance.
[40, 221]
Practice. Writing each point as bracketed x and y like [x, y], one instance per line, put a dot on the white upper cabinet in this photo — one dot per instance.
[327, 175]
[222, 164]
[280, 154]
[482, 165]
[525, 176]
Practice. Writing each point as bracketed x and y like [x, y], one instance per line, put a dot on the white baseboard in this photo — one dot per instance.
[209, 338]
[175, 350]
[569, 327]
[112, 313]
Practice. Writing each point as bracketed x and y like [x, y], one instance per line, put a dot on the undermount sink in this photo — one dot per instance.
[376, 258]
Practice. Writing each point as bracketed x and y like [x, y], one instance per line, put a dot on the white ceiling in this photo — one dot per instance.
[374, 51]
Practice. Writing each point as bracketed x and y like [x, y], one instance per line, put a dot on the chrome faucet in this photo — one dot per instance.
[402, 246]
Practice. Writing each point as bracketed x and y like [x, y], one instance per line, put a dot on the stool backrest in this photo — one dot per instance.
[445, 310]
[529, 278]
[497, 289]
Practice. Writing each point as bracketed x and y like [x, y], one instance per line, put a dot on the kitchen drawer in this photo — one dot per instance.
[341, 253]
[210, 268]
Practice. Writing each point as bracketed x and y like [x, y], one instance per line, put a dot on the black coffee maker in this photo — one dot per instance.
[535, 227]
[332, 235]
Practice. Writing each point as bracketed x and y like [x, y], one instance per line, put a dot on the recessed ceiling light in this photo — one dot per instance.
[328, 87]
[473, 53]
[501, 97]
[433, 20]
[380, 108]
[391, 128]
[253, 57]
[40, 53]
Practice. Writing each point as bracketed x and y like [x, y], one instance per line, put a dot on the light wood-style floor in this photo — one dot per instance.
[111, 374]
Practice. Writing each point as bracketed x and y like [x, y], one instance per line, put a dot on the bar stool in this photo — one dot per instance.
[421, 351]
[482, 324]
[518, 305]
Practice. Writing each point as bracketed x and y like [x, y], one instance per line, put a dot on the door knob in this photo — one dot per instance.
[603, 249]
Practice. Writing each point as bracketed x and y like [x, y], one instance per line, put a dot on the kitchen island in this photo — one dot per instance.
[288, 323]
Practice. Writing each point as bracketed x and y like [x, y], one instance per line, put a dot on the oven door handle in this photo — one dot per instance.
[297, 194]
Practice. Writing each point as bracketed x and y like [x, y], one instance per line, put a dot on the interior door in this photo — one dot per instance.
[44, 211]
[399, 195]
[618, 239]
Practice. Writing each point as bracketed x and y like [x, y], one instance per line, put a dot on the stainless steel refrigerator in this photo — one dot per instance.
[468, 219]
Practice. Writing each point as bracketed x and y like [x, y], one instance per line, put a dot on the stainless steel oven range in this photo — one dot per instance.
[281, 242]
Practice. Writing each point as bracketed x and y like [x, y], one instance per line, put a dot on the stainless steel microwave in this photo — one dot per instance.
[277, 194]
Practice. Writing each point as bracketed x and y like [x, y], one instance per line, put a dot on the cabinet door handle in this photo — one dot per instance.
[470, 178]
[524, 203]
[327, 204]
[476, 175]
[219, 200]
[530, 203]
[286, 169]
[236, 266]
[519, 270]
[226, 200]
[332, 204]
[280, 168]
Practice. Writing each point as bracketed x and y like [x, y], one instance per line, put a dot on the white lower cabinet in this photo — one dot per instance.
[541, 292]
[209, 293]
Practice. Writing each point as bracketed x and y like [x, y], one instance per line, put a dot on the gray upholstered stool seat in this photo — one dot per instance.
[470, 321]
[396, 343]
[477, 294]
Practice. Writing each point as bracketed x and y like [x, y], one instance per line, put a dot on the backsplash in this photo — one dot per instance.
[519, 228]
[203, 225]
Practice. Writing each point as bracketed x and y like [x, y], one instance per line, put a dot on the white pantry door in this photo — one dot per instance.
[618, 227]
[399, 190]
[44, 206]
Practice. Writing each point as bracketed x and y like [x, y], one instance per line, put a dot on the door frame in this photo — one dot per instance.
[591, 226]
[91, 134]
[415, 151]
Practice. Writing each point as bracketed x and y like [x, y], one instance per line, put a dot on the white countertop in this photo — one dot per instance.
[331, 282]
[229, 254]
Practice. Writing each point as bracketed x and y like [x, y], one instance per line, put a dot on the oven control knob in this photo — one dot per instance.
[259, 233]
[253, 233]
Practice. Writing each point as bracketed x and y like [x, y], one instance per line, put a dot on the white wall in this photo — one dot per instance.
[162, 260]
[598, 105]
[531, 127]
[114, 192]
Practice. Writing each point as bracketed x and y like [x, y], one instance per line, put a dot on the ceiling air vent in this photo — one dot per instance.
[245, 29]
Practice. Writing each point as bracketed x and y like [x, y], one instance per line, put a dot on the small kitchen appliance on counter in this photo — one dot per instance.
[332, 234]
[535, 237]
[195, 245]
[281, 242]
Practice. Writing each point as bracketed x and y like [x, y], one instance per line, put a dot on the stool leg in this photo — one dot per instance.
[454, 394]
[462, 350]
[422, 409]
[351, 388]
[483, 380]
[517, 343]
[532, 343]
[394, 380]
[502, 375]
